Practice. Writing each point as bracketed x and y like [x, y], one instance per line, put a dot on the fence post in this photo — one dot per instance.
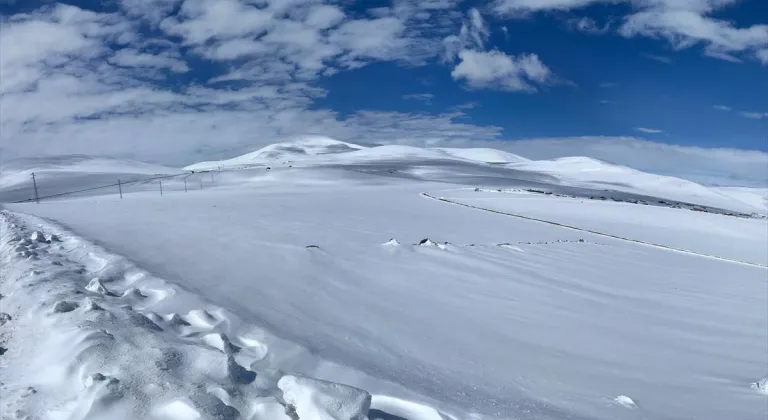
[120, 188]
[34, 183]
[201, 183]
[185, 184]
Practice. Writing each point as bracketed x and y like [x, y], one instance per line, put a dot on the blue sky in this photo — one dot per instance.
[183, 80]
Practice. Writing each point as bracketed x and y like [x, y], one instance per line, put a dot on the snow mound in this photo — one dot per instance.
[383, 406]
[392, 243]
[761, 385]
[320, 400]
[485, 155]
[625, 401]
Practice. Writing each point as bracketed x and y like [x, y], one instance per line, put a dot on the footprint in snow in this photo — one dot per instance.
[63, 306]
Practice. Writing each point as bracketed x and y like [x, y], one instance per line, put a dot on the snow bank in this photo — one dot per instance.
[321, 400]
[84, 339]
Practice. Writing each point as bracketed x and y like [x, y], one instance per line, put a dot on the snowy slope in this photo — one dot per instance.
[301, 148]
[593, 173]
[754, 197]
[15, 172]
[60, 174]
[85, 334]
[482, 155]
[736, 238]
[458, 165]
[493, 317]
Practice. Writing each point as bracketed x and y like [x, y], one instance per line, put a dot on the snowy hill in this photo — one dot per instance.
[485, 166]
[60, 174]
[303, 147]
[18, 171]
[593, 173]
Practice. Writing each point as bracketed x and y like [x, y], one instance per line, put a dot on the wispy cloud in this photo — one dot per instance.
[721, 107]
[754, 115]
[649, 130]
[466, 105]
[683, 24]
[606, 102]
[426, 98]
[659, 58]
[589, 26]
[723, 56]
[607, 85]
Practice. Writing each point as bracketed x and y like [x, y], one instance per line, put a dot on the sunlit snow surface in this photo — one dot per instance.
[344, 272]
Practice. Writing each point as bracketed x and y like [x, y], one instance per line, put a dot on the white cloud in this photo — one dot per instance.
[754, 115]
[202, 20]
[512, 7]
[721, 107]
[324, 16]
[371, 39]
[426, 98]
[607, 85]
[649, 130]
[659, 58]
[66, 88]
[32, 43]
[722, 56]
[129, 57]
[589, 26]
[497, 70]
[465, 106]
[762, 55]
[684, 27]
[606, 102]
[683, 23]
[473, 34]
[494, 69]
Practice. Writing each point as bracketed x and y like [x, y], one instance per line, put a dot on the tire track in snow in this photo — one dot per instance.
[607, 235]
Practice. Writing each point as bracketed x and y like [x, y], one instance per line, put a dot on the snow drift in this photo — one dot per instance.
[130, 346]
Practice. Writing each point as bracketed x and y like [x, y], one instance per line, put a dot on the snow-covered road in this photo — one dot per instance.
[512, 318]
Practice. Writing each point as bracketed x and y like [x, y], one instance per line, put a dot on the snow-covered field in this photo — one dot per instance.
[231, 298]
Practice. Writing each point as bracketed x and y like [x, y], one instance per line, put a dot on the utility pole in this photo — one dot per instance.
[201, 183]
[120, 188]
[212, 180]
[161, 188]
[185, 184]
[34, 183]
